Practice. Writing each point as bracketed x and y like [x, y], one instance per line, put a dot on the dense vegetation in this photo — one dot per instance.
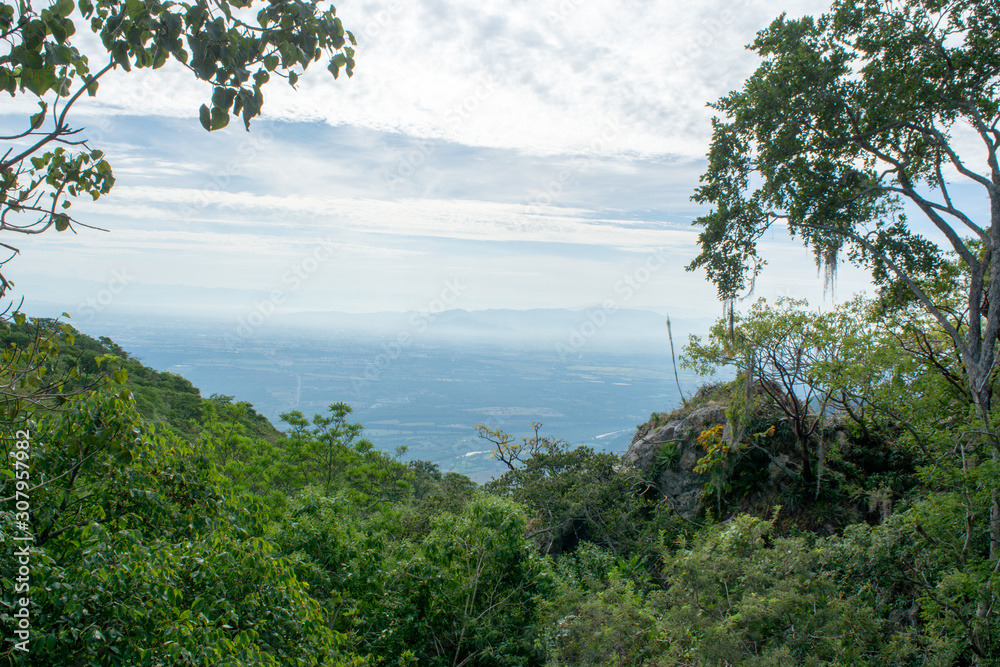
[845, 518]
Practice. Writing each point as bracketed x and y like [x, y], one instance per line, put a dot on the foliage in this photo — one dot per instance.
[332, 455]
[80, 361]
[509, 451]
[172, 530]
[577, 494]
[448, 588]
[848, 118]
[669, 457]
[854, 394]
[253, 465]
[925, 570]
[612, 626]
[738, 594]
[793, 357]
[713, 463]
[316, 548]
[137, 556]
[135, 599]
[223, 43]
[434, 492]
[26, 366]
[597, 613]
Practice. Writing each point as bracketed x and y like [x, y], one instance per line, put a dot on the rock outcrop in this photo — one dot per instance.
[679, 486]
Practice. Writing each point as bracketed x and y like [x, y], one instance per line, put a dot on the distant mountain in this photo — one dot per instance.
[553, 328]
[541, 327]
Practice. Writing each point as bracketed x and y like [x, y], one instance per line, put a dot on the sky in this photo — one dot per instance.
[507, 154]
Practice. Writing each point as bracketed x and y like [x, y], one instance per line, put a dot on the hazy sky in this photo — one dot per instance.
[536, 154]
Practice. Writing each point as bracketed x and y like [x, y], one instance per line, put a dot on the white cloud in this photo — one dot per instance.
[543, 77]
[535, 150]
[307, 215]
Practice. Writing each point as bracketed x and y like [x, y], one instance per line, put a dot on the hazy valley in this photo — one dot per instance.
[504, 369]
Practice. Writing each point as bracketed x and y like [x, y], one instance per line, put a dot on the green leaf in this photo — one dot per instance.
[223, 97]
[220, 118]
[36, 81]
[205, 117]
[159, 58]
[58, 54]
[59, 30]
[62, 222]
[63, 7]
[120, 54]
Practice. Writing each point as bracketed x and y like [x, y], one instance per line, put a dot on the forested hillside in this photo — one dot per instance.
[841, 516]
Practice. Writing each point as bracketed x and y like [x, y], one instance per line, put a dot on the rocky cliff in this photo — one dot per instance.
[669, 453]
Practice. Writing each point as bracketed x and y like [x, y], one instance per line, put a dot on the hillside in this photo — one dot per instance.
[163, 523]
[164, 399]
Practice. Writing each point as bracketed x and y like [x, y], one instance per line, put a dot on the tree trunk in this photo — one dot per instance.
[820, 457]
[808, 476]
[982, 395]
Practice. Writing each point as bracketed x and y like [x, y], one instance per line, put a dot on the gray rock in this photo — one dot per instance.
[680, 488]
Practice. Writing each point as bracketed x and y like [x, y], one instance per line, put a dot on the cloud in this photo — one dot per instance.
[544, 77]
[536, 150]
[269, 215]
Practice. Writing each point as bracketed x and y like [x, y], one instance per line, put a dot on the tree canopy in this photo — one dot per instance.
[223, 42]
[851, 118]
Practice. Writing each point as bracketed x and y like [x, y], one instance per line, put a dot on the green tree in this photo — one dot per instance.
[460, 588]
[740, 594]
[572, 494]
[474, 587]
[28, 356]
[849, 118]
[137, 555]
[222, 42]
[597, 612]
[332, 455]
[252, 464]
[511, 453]
[794, 358]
